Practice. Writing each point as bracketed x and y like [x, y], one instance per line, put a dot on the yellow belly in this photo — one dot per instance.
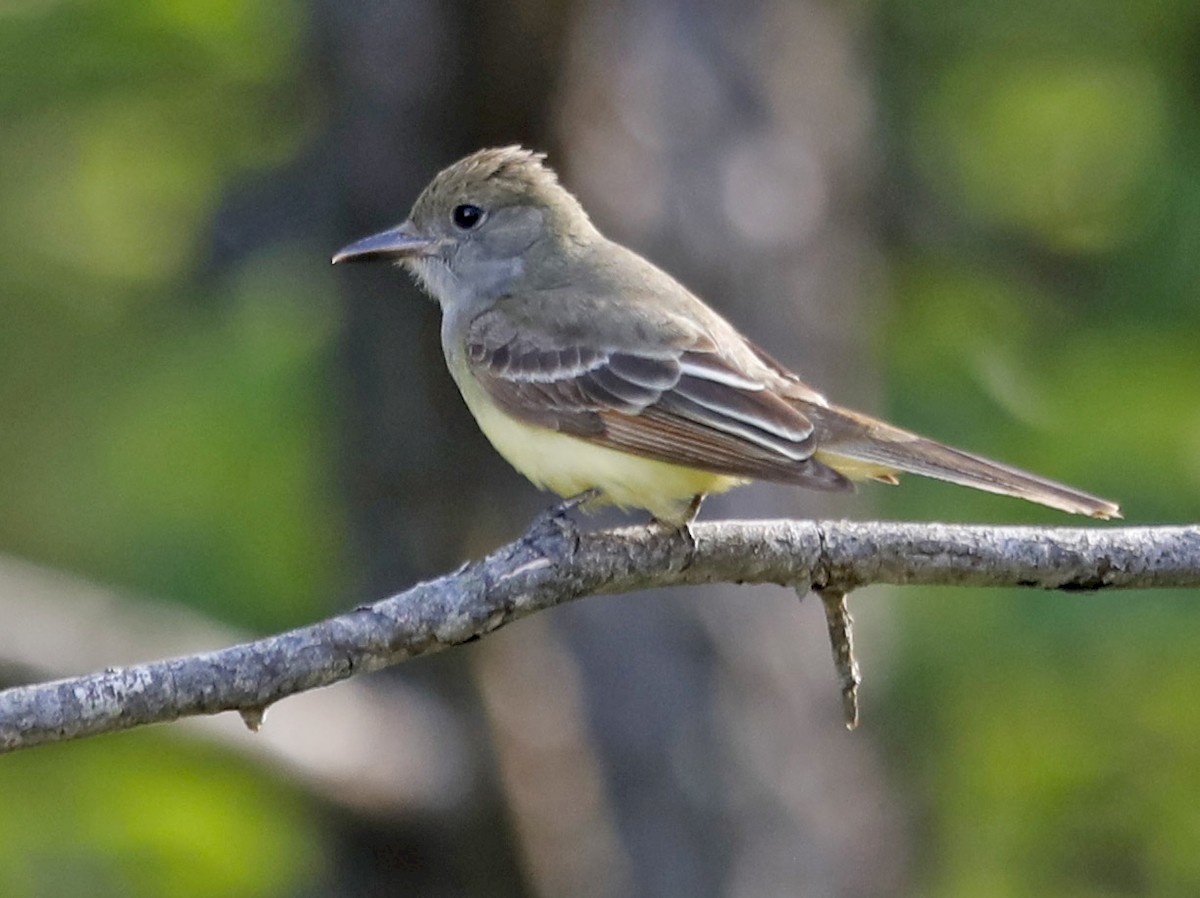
[568, 465]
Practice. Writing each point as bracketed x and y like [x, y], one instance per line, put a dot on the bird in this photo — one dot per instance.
[600, 377]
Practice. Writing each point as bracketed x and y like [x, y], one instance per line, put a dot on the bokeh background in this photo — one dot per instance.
[978, 217]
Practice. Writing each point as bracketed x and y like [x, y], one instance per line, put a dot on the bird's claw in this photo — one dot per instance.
[554, 520]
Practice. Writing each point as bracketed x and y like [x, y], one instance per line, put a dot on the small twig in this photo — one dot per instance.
[553, 565]
[841, 641]
[253, 717]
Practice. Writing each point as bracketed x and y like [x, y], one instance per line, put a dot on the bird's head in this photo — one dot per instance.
[483, 226]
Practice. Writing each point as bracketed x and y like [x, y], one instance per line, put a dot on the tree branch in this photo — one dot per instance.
[371, 749]
[553, 563]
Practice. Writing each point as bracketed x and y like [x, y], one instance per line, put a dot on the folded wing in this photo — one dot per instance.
[679, 402]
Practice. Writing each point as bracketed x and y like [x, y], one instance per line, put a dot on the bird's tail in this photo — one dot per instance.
[862, 447]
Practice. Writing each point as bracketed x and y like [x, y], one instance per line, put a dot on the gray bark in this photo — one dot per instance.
[553, 563]
[378, 751]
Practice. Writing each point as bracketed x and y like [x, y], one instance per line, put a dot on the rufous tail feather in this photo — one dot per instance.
[858, 446]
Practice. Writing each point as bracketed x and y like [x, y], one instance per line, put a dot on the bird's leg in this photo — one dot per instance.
[555, 517]
[682, 527]
[572, 502]
[683, 524]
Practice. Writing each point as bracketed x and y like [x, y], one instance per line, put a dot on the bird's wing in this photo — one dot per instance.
[670, 395]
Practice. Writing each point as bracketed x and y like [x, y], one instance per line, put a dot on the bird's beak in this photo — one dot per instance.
[401, 242]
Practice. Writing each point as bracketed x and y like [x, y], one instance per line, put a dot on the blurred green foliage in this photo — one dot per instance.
[162, 432]
[1047, 311]
[148, 815]
[172, 433]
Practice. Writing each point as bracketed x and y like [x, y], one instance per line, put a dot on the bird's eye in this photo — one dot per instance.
[467, 216]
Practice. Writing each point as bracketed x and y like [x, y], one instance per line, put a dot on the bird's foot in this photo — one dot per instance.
[571, 503]
[554, 520]
[682, 530]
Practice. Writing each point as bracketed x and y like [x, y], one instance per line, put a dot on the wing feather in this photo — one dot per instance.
[679, 401]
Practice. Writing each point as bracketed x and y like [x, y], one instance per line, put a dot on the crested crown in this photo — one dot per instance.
[499, 172]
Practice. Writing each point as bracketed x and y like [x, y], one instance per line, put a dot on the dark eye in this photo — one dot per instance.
[467, 216]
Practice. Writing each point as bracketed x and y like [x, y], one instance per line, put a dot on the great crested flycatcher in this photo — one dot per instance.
[590, 369]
